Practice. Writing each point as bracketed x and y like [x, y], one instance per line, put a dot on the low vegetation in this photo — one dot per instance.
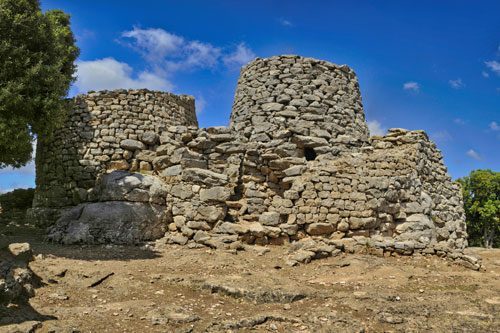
[13, 205]
[481, 195]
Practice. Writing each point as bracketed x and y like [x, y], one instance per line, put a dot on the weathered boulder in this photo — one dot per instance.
[117, 222]
[130, 208]
[126, 186]
[17, 280]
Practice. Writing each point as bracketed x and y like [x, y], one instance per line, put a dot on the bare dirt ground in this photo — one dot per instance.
[176, 289]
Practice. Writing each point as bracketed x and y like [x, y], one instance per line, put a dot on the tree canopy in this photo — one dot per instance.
[37, 55]
[481, 193]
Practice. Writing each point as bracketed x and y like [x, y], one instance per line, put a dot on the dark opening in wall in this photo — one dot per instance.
[309, 154]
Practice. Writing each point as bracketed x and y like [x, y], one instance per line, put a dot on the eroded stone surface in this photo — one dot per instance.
[17, 281]
[129, 208]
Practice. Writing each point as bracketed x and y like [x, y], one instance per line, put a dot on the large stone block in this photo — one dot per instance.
[133, 145]
[270, 218]
[116, 222]
[216, 193]
[317, 229]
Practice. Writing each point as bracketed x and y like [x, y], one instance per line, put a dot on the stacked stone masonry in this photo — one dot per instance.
[296, 163]
[105, 130]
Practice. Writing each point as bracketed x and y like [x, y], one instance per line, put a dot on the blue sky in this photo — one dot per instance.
[432, 65]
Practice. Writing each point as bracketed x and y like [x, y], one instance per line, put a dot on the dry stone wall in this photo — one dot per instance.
[104, 131]
[307, 102]
[296, 165]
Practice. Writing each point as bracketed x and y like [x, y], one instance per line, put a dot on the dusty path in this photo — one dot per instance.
[175, 289]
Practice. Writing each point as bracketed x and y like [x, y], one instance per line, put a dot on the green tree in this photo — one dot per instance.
[37, 55]
[481, 193]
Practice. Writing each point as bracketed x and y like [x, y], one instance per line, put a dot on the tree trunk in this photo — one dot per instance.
[488, 237]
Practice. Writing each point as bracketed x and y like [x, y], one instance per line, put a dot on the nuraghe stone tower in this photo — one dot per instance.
[296, 162]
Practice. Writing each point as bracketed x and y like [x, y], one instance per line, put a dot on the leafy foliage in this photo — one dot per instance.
[37, 54]
[19, 199]
[481, 193]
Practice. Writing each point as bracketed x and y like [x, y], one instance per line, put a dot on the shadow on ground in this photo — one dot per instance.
[20, 313]
[36, 238]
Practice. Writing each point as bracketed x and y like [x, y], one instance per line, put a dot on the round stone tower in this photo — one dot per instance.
[313, 102]
[104, 130]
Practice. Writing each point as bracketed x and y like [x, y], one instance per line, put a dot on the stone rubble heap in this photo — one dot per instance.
[296, 163]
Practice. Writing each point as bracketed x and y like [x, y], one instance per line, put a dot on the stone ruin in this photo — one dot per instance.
[296, 165]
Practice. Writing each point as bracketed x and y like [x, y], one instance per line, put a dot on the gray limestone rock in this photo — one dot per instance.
[216, 193]
[17, 280]
[126, 186]
[203, 176]
[133, 145]
[270, 218]
[150, 138]
[116, 222]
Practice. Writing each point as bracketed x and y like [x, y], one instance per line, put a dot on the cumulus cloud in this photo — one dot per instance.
[109, 73]
[494, 126]
[411, 86]
[168, 52]
[473, 154]
[456, 84]
[242, 55]
[459, 121]
[485, 74]
[154, 44]
[165, 55]
[200, 55]
[376, 128]
[493, 66]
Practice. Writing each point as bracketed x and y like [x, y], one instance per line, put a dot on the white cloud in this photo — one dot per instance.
[494, 126]
[494, 66]
[108, 73]
[155, 44]
[200, 55]
[473, 154]
[376, 128]
[168, 52]
[200, 104]
[411, 86]
[241, 56]
[485, 74]
[459, 121]
[456, 84]
[284, 22]
[27, 170]
[165, 55]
